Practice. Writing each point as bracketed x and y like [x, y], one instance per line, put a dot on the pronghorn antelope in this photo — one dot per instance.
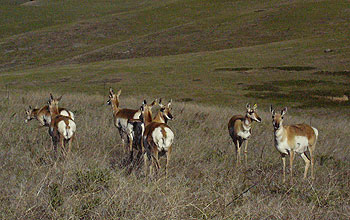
[43, 115]
[291, 139]
[121, 118]
[62, 128]
[240, 129]
[158, 137]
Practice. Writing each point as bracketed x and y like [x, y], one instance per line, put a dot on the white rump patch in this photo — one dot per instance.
[66, 132]
[163, 143]
[67, 113]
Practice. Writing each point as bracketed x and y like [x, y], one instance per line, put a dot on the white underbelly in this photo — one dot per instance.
[301, 144]
[244, 134]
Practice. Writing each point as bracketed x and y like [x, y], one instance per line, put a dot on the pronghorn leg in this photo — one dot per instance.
[62, 146]
[145, 159]
[311, 150]
[284, 167]
[246, 152]
[291, 157]
[168, 153]
[238, 152]
[156, 156]
[70, 145]
[307, 164]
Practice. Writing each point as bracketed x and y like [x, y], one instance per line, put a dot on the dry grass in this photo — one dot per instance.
[203, 183]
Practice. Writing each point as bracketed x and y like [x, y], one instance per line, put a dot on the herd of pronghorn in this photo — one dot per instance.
[151, 136]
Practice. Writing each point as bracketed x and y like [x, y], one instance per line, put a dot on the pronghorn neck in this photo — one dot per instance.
[147, 117]
[35, 113]
[159, 118]
[115, 107]
[53, 111]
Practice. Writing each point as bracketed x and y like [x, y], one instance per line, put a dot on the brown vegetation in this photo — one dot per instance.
[203, 181]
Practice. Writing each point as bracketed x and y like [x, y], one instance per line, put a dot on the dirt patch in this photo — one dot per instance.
[291, 68]
[334, 73]
[103, 81]
[233, 69]
[32, 3]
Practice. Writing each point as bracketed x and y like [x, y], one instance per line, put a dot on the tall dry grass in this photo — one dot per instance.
[204, 183]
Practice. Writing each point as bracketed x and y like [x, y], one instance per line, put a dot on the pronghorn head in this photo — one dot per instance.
[146, 110]
[251, 112]
[113, 97]
[165, 110]
[53, 103]
[277, 118]
[30, 114]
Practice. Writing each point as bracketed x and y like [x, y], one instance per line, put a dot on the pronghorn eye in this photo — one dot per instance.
[282, 117]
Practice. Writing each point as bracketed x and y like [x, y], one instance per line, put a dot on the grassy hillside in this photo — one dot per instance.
[217, 52]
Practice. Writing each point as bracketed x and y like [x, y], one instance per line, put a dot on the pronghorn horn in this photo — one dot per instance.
[118, 94]
[111, 90]
[154, 102]
[30, 107]
[247, 106]
[51, 96]
[272, 110]
[144, 102]
[160, 103]
[255, 106]
[170, 103]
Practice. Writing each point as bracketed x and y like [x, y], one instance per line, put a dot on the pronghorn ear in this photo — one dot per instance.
[284, 111]
[255, 106]
[118, 94]
[30, 107]
[51, 97]
[247, 106]
[170, 103]
[272, 110]
[59, 99]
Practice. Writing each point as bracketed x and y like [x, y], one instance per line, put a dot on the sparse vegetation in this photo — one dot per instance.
[210, 57]
[203, 181]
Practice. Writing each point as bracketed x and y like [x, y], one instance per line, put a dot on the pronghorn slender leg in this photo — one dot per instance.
[62, 145]
[145, 157]
[238, 151]
[168, 153]
[284, 167]
[291, 157]
[70, 145]
[156, 157]
[307, 164]
[246, 152]
[311, 149]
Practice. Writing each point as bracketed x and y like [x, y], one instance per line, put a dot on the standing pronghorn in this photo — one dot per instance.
[121, 118]
[158, 137]
[62, 128]
[240, 129]
[43, 115]
[290, 139]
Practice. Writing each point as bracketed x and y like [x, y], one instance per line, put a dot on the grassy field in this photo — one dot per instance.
[211, 58]
[204, 183]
